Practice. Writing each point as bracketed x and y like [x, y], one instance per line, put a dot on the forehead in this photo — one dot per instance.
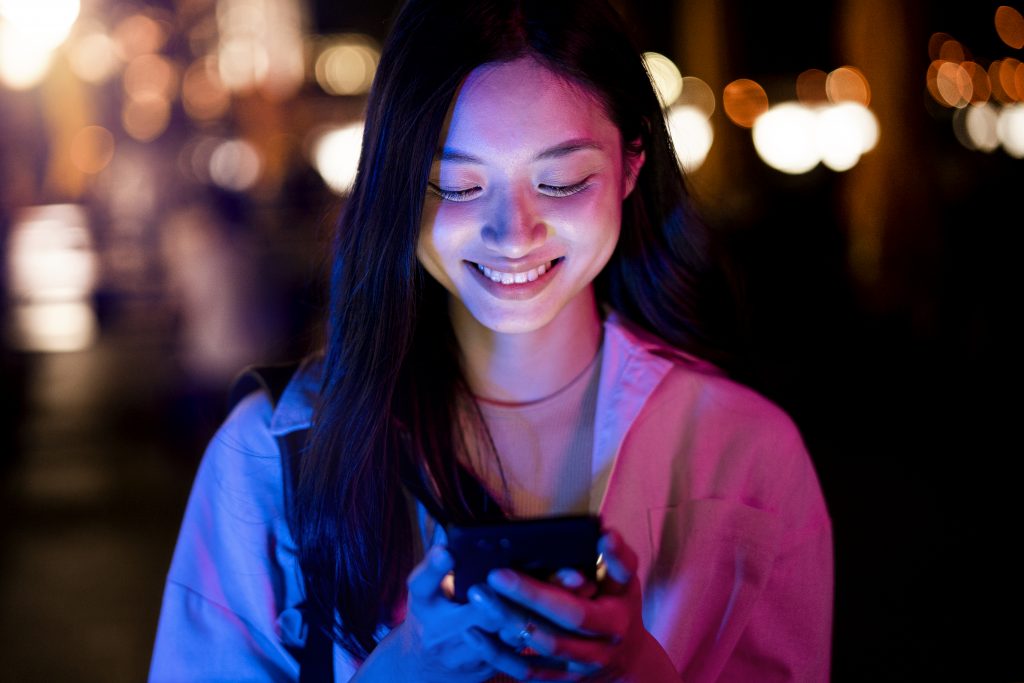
[523, 107]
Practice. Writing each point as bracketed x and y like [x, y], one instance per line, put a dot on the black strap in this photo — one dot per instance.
[316, 657]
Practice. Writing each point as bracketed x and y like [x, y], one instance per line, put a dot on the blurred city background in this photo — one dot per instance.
[170, 169]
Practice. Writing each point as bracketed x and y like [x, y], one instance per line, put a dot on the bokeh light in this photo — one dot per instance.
[692, 135]
[949, 84]
[981, 88]
[151, 75]
[743, 101]
[29, 32]
[1010, 26]
[935, 43]
[235, 165]
[92, 148]
[243, 63]
[668, 82]
[847, 84]
[138, 34]
[794, 138]
[146, 117]
[697, 94]
[203, 94]
[784, 138]
[347, 64]
[46, 22]
[1010, 129]
[335, 155]
[979, 126]
[952, 51]
[1008, 71]
[810, 87]
[92, 54]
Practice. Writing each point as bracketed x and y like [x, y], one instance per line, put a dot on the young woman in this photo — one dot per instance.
[514, 332]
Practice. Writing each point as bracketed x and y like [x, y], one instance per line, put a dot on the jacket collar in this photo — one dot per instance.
[633, 362]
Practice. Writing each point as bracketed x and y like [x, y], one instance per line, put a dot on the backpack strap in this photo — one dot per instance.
[316, 657]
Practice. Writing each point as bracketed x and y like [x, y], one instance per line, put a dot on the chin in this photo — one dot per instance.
[511, 323]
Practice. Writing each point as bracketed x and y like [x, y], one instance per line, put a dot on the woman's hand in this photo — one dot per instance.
[602, 637]
[443, 641]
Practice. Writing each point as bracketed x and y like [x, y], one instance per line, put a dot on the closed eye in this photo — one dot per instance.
[564, 190]
[453, 195]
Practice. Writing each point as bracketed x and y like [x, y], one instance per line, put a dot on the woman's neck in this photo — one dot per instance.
[519, 368]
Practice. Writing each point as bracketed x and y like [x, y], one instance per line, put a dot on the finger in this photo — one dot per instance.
[619, 558]
[425, 579]
[498, 655]
[583, 654]
[590, 617]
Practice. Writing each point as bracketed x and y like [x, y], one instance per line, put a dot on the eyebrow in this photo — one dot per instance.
[557, 151]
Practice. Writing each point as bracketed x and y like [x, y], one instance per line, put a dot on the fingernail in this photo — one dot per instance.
[569, 578]
[503, 578]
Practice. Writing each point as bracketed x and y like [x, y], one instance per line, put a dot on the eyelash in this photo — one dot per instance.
[550, 190]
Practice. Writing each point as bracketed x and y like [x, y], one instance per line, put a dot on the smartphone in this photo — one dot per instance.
[538, 547]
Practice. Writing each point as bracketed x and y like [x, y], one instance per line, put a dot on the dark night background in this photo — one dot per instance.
[875, 305]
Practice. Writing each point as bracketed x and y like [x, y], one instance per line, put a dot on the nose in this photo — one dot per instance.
[514, 227]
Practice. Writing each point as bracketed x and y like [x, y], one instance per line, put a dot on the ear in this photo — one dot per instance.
[632, 163]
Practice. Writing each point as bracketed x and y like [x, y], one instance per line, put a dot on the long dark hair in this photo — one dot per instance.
[393, 389]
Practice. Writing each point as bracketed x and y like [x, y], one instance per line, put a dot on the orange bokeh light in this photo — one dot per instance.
[1010, 26]
[935, 44]
[1008, 78]
[92, 148]
[951, 51]
[981, 89]
[848, 84]
[138, 35]
[743, 101]
[950, 84]
[203, 94]
[997, 86]
[810, 86]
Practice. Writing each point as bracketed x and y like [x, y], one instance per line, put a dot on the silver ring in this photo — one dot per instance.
[526, 633]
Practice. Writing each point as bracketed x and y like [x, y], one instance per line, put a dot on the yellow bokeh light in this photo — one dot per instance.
[336, 156]
[45, 22]
[92, 148]
[668, 82]
[743, 101]
[347, 66]
[1010, 26]
[847, 84]
[23, 62]
[145, 118]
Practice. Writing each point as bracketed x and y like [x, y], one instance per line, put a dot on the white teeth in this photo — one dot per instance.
[514, 278]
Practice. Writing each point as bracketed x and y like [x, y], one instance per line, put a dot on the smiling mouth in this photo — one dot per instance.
[505, 278]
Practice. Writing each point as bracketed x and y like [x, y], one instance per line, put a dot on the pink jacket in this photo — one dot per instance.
[707, 481]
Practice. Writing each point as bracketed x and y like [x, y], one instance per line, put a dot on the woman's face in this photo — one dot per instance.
[525, 198]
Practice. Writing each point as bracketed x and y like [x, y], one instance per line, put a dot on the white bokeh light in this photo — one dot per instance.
[336, 156]
[784, 138]
[1010, 129]
[980, 125]
[665, 74]
[235, 165]
[48, 22]
[844, 132]
[692, 135]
